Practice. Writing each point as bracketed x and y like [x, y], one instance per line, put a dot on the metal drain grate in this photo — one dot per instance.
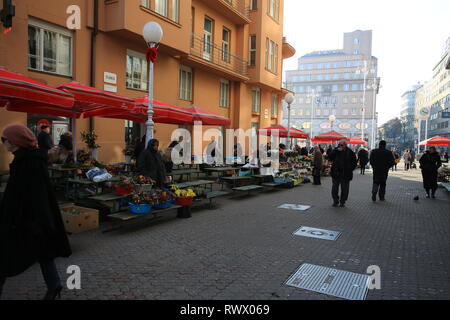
[333, 282]
[297, 207]
[317, 233]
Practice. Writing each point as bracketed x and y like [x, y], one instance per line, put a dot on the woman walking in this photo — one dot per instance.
[318, 165]
[396, 159]
[31, 227]
[430, 163]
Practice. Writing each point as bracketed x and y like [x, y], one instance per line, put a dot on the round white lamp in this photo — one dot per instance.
[152, 32]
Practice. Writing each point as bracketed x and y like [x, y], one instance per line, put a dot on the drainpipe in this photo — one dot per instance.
[93, 53]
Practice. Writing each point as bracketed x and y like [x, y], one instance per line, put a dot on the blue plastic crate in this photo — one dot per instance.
[164, 205]
[140, 208]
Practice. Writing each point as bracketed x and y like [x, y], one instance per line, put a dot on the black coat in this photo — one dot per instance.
[344, 162]
[31, 227]
[381, 161]
[363, 157]
[150, 164]
[430, 163]
[66, 142]
[45, 141]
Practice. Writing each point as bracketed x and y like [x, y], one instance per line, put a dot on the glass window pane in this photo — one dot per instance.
[49, 51]
[33, 48]
[64, 50]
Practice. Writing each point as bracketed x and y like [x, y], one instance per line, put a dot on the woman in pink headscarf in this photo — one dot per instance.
[31, 227]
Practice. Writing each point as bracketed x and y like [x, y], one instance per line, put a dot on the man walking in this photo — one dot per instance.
[381, 161]
[344, 162]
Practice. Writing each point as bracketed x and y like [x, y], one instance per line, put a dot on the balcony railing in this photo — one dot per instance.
[215, 55]
[239, 6]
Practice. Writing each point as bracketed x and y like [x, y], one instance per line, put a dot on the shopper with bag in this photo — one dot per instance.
[430, 162]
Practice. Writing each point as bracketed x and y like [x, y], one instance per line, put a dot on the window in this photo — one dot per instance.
[328, 77]
[318, 112]
[224, 93]
[302, 78]
[192, 25]
[274, 105]
[347, 76]
[356, 41]
[309, 77]
[301, 89]
[319, 77]
[320, 66]
[335, 87]
[345, 112]
[175, 10]
[348, 63]
[252, 50]
[161, 7]
[336, 64]
[256, 100]
[49, 48]
[353, 111]
[207, 38]
[137, 71]
[309, 66]
[346, 87]
[226, 45]
[355, 76]
[271, 56]
[186, 83]
[319, 89]
[356, 52]
[356, 63]
[336, 76]
[328, 66]
[273, 8]
[300, 112]
[254, 5]
[302, 67]
[355, 87]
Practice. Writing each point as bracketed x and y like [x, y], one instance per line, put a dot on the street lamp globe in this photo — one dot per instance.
[332, 118]
[289, 98]
[152, 32]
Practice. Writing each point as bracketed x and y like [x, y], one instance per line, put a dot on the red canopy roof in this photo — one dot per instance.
[163, 112]
[207, 117]
[23, 94]
[436, 141]
[357, 141]
[282, 132]
[331, 136]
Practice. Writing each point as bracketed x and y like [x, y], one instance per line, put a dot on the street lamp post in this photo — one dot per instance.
[375, 86]
[365, 70]
[332, 119]
[152, 34]
[312, 96]
[289, 98]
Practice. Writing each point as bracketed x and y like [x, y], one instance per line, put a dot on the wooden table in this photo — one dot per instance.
[119, 219]
[233, 180]
[196, 183]
[182, 172]
[221, 170]
[86, 182]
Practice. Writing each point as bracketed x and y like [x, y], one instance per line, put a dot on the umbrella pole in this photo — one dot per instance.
[74, 137]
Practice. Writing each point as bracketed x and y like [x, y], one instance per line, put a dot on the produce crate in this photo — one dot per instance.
[75, 223]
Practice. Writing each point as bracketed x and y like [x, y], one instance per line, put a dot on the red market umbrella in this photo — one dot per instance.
[357, 141]
[331, 136]
[436, 141]
[313, 140]
[89, 100]
[163, 112]
[22, 94]
[206, 117]
[282, 132]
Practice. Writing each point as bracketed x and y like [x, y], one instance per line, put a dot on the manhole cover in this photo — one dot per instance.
[298, 207]
[317, 233]
[333, 282]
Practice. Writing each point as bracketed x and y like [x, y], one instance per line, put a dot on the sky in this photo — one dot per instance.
[408, 38]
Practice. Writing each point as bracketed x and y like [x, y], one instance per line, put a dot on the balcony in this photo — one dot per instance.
[211, 56]
[235, 10]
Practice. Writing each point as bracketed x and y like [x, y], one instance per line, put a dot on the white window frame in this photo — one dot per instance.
[161, 7]
[256, 100]
[186, 83]
[224, 93]
[42, 26]
[226, 45]
[274, 105]
[252, 51]
[144, 76]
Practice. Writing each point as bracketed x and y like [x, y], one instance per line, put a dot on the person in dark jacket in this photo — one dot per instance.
[318, 165]
[381, 161]
[31, 227]
[139, 147]
[430, 162]
[45, 140]
[150, 164]
[344, 162]
[304, 152]
[65, 147]
[363, 159]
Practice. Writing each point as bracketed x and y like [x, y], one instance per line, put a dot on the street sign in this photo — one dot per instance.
[424, 113]
[445, 114]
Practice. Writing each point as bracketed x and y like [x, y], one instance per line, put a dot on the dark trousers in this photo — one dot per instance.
[317, 179]
[363, 169]
[49, 272]
[345, 188]
[407, 166]
[379, 185]
[394, 167]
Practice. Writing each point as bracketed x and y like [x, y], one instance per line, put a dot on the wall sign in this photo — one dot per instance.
[109, 77]
[110, 88]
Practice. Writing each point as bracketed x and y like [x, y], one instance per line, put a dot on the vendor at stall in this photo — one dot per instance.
[150, 163]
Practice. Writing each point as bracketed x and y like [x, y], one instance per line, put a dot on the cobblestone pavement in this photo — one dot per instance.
[245, 249]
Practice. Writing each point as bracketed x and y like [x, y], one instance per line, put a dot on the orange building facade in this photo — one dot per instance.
[224, 56]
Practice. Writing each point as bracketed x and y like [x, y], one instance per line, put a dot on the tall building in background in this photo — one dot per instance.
[332, 83]
[407, 117]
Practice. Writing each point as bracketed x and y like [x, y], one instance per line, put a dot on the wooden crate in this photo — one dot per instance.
[86, 220]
